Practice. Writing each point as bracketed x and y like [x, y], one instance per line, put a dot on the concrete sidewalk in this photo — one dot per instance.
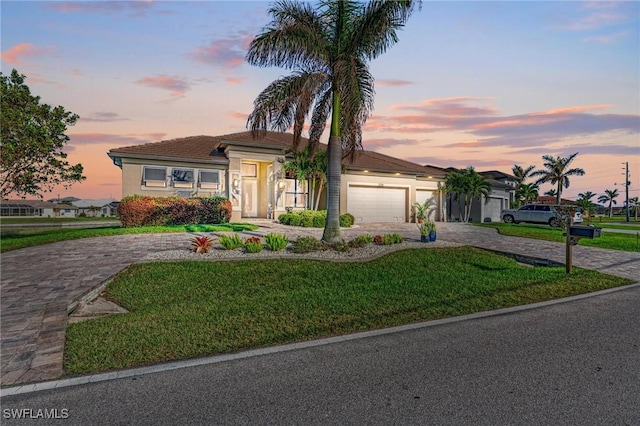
[39, 284]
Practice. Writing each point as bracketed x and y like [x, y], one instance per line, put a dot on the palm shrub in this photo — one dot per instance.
[361, 241]
[389, 239]
[230, 242]
[201, 244]
[276, 242]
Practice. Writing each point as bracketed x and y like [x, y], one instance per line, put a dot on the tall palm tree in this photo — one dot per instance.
[556, 171]
[609, 196]
[328, 49]
[521, 174]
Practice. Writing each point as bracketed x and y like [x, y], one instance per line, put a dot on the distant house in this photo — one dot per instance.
[65, 200]
[486, 209]
[101, 207]
[36, 208]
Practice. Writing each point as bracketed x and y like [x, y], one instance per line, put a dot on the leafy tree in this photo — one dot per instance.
[556, 171]
[527, 192]
[609, 196]
[32, 140]
[328, 49]
[466, 185]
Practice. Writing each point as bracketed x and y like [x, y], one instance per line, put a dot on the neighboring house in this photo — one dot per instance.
[96, 208]
[486, 209]
[36, 208]
[375, 187]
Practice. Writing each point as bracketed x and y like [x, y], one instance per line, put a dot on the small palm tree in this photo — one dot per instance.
[466, 185]
[527, 192]
[328, 49]
[556, 171]
[551, 193]
[522, 174]
[609, 196]
[585, 203]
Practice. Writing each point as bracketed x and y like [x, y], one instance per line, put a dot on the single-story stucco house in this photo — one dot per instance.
[375, 187]
[36, 208]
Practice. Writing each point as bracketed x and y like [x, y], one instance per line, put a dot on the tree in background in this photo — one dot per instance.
[551, 193]
[521, 176]
[527, 192]
[556, 172]
[32, 138]
[585, 203]
[328, 48]
[609, 196]
[466, 185]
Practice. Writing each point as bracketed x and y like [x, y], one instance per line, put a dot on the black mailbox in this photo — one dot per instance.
[584, 231]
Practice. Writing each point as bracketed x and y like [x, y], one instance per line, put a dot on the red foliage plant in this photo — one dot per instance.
[201, 244]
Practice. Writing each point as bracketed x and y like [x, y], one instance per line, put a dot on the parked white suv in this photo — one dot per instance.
[536, 213]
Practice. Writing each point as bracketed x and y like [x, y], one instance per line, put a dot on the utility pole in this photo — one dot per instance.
[626, 187]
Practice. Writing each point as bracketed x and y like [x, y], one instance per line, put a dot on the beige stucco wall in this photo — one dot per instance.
[132, 178]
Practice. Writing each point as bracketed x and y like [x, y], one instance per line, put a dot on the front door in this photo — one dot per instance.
[249, 197]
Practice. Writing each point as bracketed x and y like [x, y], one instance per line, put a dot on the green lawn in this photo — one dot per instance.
[27, 220]
[189, 309]
[13, 240]
[608, 240]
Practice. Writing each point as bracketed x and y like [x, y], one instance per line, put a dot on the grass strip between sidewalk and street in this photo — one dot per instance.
[188, 309]
[13, 240]
[608, 240]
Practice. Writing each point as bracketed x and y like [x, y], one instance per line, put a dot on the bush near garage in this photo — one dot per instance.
[139, 210]
[313, 219]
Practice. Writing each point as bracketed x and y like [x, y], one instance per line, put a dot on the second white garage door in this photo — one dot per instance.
[377, 204]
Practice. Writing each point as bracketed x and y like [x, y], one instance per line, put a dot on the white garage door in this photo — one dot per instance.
[377, 204]
[492, 209]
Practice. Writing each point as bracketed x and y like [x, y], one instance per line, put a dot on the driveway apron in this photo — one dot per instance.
[39, 284]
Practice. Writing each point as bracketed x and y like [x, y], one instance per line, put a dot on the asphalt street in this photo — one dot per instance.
[575, 363]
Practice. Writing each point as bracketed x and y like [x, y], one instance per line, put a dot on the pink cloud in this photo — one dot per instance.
[103, 117]
[134, 9]
[227, 53]
[176, 85]
[114, 140]
[455, 106]
[234, 81]
[237, 115]
[393, 83]
[387, 143]
[18, 53]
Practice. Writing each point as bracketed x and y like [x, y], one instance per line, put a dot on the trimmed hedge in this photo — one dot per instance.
[139, 210]
[313, 219]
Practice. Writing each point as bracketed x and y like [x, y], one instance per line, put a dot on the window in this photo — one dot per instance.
[154, 176]
[209, 179]
[528, 207]
[543, 208]
[182, 178]
[295, 193]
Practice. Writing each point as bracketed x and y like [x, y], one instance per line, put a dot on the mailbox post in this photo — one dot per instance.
[574, 233]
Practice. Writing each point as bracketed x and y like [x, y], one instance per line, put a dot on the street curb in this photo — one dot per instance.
[134, 372]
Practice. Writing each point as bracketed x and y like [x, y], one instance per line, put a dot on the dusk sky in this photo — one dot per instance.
[483, 84]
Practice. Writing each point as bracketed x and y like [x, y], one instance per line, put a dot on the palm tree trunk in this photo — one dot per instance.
[559, 193]
[610, 203]
[331, 232]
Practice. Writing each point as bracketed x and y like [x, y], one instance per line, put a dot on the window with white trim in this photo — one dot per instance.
[182, 178]
[154, 176]
[209, 179]
[295, 193]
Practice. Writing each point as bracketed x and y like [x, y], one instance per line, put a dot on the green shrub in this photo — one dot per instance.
[230, 242]
[276, 242]
[307, 245]
[253, 245]
[140, 210]
[361, 241]
[313, 219]
[347, 220]
[341, 246]
[390, 239]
